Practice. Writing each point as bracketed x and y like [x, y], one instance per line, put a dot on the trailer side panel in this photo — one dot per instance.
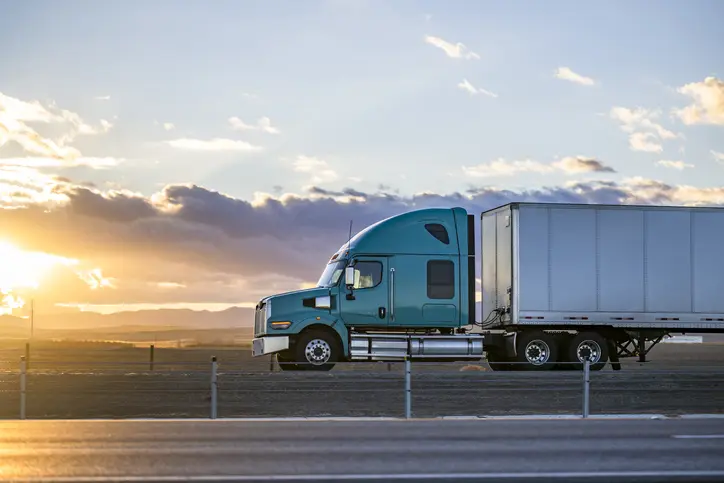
[622, 266]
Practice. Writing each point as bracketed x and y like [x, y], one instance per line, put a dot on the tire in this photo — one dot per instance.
[537, 351]
[564, 363]
[499, 362]
[588, 342]
[287, 364]
[317, 350]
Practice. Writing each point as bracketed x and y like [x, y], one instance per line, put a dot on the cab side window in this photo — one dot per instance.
[367, 275]
[440, 279]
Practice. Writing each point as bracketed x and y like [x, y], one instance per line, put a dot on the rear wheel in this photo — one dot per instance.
[317, 350]
[499, 362]
[538, 351]
[588, 345]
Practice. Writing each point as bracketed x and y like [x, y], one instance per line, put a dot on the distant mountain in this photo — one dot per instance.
[138, 321]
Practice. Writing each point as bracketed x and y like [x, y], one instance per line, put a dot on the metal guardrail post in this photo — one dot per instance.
[408, 389]
[23, 374]
[214, 385]
[150, 362]
[586, 386]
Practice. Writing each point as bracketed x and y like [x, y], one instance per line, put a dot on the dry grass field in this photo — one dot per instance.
[116, 380]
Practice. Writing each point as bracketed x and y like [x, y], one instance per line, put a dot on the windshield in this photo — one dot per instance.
[331, 274]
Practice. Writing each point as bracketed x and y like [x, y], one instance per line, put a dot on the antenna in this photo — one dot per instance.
[350, 232]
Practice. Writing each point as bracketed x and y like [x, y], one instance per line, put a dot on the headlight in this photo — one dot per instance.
[280, 325]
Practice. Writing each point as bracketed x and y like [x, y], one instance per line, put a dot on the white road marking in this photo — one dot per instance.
[394, 476]
[698, 436]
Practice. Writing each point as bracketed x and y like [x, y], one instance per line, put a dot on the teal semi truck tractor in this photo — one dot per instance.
[560, 284]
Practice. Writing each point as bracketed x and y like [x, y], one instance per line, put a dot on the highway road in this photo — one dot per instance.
[364, 451]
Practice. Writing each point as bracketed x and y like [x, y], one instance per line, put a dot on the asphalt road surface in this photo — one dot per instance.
[365, 451]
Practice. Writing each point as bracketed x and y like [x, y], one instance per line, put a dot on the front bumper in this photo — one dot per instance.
[269, 344]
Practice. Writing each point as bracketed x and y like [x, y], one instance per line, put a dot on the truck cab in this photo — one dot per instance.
[404, 286]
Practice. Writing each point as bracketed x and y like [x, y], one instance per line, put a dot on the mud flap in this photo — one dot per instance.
[613, 355]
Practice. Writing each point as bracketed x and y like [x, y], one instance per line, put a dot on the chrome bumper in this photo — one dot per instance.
[269, 344]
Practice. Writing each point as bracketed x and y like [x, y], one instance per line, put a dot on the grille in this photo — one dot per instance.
[259, 320]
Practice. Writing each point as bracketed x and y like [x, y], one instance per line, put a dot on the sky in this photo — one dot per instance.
[187, 154]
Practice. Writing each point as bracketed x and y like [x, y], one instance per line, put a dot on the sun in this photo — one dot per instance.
[22, 270]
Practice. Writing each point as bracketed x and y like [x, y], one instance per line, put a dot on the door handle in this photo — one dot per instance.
[381, 312]
[392, 294]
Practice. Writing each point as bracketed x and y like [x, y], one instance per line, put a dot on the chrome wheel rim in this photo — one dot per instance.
[317, 352]
[588, 350]
[537, 352]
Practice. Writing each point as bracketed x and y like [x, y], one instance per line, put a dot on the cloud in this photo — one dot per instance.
[262, 124]
[708, 105]
[102, 98]
[15, 114]
[95, 279]
[645, 141]
[569, 165]
[582, 164]
[645, 134]
[215, 144]
[680, 165]
[456, 51]
[718, 156]
[40, 162]
[318, 168]
[565, 73]
[467, 86]
[502, 167]
[168, 126]
[215, 248]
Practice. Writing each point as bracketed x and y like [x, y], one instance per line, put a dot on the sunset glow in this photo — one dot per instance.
[227, 184]
[23, 271]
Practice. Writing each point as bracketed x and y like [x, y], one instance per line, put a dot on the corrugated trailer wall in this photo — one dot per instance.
[630, 266]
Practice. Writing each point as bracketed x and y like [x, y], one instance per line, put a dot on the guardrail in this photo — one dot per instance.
[407, 389]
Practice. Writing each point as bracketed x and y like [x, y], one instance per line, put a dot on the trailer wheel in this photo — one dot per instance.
[538, 350]
[588, 345]
[317, 350]
[564, 344]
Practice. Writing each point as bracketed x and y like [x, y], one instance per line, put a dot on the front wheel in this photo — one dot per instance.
[287, 364]
[317, 350]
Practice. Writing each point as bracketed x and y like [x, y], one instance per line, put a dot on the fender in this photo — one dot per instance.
[328, 321]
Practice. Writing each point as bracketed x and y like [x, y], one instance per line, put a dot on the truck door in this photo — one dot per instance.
[370, 305]
[424, 291]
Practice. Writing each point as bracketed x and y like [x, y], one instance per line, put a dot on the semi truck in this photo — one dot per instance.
[560, 284]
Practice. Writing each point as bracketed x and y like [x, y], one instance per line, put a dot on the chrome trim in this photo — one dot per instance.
[323, 302]
[392, 294]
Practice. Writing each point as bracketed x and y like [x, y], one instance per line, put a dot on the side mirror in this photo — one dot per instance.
[349, 276]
